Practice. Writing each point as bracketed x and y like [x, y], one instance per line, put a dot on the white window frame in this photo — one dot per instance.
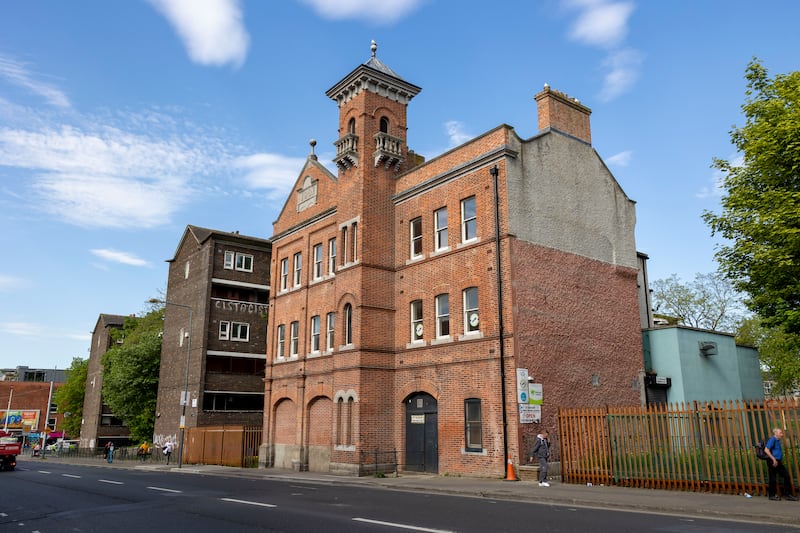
[297, 261]
[348, 324]
[354, 238]
[442, 316]
[230, 257]
[281, 344]
[244, 262]
[284, 273]
[315, 325]
[238, 261]
[440, 228]
[344, 245]
[317, 254]
[469, 222]
[294, 338]
[240, 331]
[330, 331]
[415, 313]
[224, 330]
[473, 425]
[415, 236]
[470, 309]
[332, 256]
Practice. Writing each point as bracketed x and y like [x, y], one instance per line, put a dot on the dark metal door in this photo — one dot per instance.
[422, 434]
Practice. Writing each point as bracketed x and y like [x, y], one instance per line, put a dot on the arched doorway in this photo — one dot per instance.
[422, 434]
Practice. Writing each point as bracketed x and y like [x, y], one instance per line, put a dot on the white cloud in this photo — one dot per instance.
[211, 30]
[621, 159]
[16, 73]
[8, 283]
[601, 23]
[604, 24]
[270, 171]
[108, 177]
[716, 186]
[381, 12]
[116, 256]
[622, 71]
[455, 132]
[25, 329]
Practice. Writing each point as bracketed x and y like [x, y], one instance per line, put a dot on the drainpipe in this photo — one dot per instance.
[494, 172]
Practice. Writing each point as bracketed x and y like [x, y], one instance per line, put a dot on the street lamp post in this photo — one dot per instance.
[185, 393]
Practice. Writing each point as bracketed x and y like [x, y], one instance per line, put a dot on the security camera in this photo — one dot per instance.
[530, 379]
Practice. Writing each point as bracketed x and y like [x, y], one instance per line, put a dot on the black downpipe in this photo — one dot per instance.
[494, 172]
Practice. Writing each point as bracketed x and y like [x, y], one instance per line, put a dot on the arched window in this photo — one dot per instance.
[384, 125]
[348, 324]
[351, 126]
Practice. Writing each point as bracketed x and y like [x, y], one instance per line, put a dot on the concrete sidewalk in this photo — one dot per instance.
[757, 509]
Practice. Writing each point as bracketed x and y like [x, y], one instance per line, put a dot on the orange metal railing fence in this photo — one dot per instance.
[693, 446]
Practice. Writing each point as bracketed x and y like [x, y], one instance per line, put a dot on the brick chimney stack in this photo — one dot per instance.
[563, 113]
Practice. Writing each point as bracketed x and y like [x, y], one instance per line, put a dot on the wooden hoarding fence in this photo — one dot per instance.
[223, 445]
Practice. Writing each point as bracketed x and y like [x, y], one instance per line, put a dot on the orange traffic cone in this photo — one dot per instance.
[510, 474]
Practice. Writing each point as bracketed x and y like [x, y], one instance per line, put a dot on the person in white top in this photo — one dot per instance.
[168, 446]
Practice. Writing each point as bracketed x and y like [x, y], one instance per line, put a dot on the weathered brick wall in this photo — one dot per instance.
[575, 319]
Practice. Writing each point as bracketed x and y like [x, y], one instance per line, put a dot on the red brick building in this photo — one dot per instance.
[24, 408]
[219, 350]
[406, 295]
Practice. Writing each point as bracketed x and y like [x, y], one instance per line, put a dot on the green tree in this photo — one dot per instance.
[130, 372]
[778, 351]
[69, 396]
[760, 214]
[708, 302]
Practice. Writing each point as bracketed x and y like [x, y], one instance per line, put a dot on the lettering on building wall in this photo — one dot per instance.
[307, 194]
[241, 307]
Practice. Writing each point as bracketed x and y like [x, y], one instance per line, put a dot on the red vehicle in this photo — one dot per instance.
[9, 449]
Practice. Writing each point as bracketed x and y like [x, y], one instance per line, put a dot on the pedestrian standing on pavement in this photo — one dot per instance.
[143, 451]
[776, 467]
[168, 449]
[110, 452]
[541, 450]
[105, 450]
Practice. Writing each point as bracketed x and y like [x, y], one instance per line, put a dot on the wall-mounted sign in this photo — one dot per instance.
[535, 394]
[523, 395]
[18, 419]
[418, 419]
[528, 414]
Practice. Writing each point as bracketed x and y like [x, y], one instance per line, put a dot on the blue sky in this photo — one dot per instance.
[122, 122]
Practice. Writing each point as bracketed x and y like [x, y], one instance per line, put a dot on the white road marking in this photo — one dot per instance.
[248, 502]
[162, 489]
[109, 481]
[401, 526]
[71, 475]
[3, 514]
[44, 472]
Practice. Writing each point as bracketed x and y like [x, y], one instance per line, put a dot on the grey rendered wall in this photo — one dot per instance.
[561, 195]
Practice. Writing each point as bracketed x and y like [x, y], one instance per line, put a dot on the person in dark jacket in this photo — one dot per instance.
[541, 450]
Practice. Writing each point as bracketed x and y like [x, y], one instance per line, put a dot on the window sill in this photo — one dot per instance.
[470, 242]
[415, 259]
[441, 340]
[416, 344]
[345, 347]
[471, 335]
[440, 251]
[470, 451]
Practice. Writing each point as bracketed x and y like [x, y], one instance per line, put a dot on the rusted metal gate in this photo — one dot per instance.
[694, 446]
[223, 445]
